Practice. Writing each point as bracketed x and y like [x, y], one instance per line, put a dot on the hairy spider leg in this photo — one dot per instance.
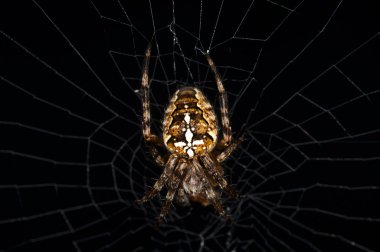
[168, 170]
[223, 103]
[158, 159]
[211, 195]
[173, 184]
[145, 96]
[213, 169]
[150, 138]
[228, 150]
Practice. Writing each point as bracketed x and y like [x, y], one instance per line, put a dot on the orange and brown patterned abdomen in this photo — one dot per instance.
[190, 126]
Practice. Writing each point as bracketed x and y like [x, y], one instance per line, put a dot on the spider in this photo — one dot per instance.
[192, 170]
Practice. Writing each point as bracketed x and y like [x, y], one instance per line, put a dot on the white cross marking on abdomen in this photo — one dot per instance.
[189, 144]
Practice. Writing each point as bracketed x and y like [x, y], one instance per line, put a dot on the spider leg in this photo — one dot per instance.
[223, 103]
[211, 195]
[148, 136]
[214, 170]
[158, 159]
[228, 150]
[172, 161]
[173, 185]
[217, 204]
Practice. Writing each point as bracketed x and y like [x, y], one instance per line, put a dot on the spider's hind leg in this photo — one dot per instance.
[146, 127]
[227, 151]
[158, 159]
[227, 134]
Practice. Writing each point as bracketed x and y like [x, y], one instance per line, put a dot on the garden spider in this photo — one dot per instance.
[190, 134]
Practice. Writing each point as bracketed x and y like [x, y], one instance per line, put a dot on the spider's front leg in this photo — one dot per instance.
[173, 184]
[213, 170]
[211, 195]
[217, 204]
[169, 167]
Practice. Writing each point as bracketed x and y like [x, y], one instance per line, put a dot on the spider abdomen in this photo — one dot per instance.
[190, 125]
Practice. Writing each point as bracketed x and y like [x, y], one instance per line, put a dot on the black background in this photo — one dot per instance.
[72, 158]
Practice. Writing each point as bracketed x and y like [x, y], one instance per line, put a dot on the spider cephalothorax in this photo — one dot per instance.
[192, 170]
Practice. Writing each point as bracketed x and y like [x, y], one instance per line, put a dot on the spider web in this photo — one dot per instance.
[302, 82]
